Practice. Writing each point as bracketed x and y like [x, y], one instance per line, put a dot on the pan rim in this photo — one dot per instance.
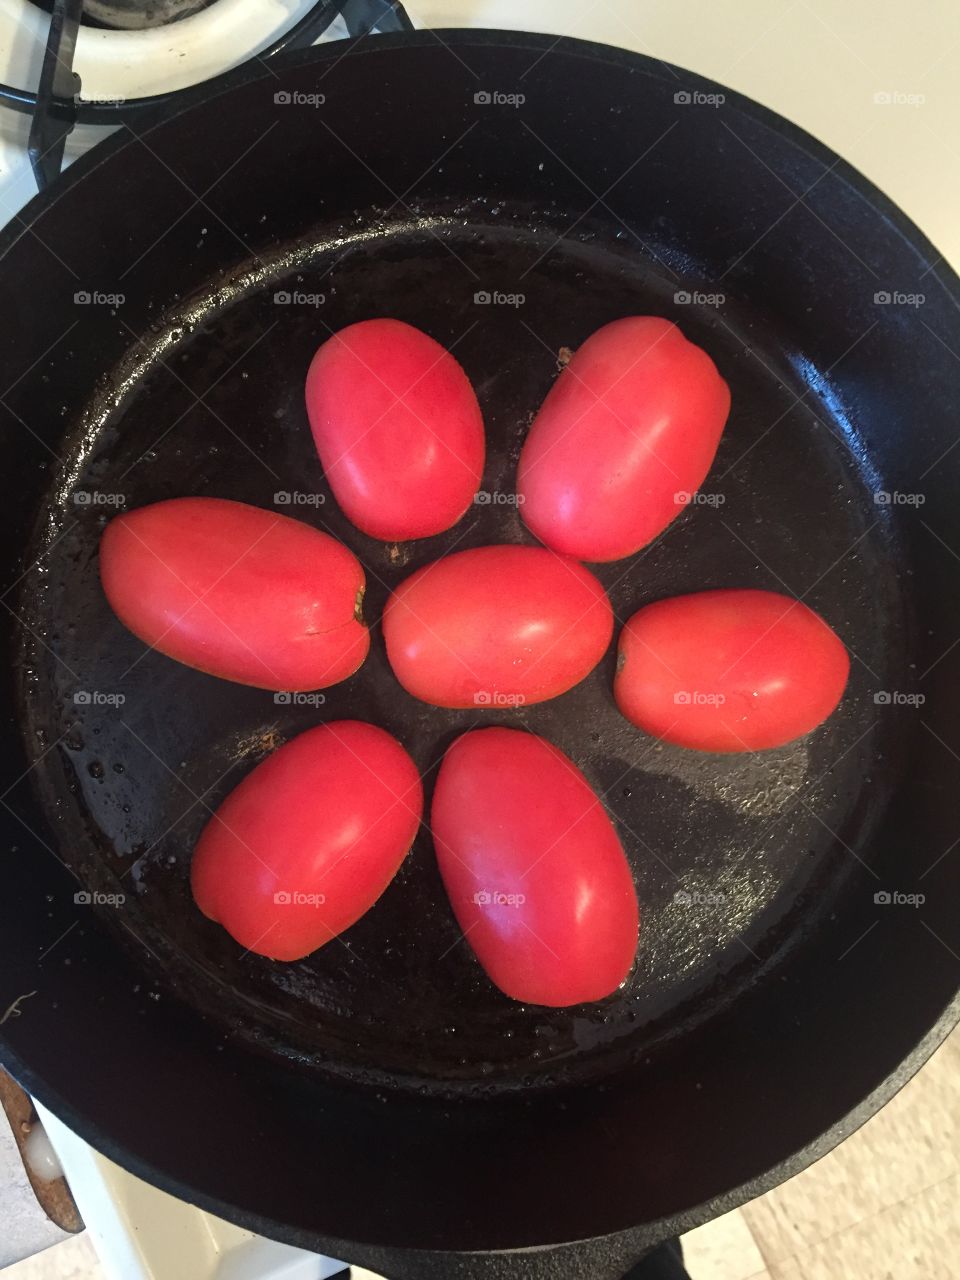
[590, 50]
[644, 1235]
[906, 230]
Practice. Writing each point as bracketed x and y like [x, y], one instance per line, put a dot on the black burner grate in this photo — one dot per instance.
[56, 107]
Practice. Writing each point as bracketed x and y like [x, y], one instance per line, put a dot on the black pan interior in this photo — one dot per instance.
[220, 412]
[686, 1083]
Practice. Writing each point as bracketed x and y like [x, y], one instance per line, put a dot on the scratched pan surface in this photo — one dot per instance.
[221, 413]
[756, 874]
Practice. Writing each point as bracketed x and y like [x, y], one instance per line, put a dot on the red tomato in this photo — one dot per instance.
[308, 842]
[236, 591]
[397, 427]
[626, 435]
[496, 626]
[536, 875]
[729, 670]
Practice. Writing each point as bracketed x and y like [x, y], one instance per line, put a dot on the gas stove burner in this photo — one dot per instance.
[60, 101]
[133, 15]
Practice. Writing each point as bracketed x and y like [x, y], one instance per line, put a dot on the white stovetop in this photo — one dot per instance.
[873, 79]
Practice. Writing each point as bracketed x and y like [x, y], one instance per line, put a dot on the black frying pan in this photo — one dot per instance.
[380, 1101]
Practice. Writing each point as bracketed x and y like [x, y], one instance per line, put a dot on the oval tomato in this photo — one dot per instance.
[729, 670]
[397, 427]
[625, 436]
[308, 842]
[236, 591]
[536, 875]
[496, 626]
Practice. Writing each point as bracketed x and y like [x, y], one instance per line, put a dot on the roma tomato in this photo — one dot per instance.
[627, 433]
[729, 670]
[496, 626]
[236, 591]
[397, 427]
[308, 842]
[536, 875]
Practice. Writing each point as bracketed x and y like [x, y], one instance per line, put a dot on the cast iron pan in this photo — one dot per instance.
[380, 1101]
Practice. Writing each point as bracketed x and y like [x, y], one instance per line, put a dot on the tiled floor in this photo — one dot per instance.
[74, 1259]
[884, 1206]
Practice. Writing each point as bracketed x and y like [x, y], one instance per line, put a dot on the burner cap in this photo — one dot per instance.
[135, 15]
